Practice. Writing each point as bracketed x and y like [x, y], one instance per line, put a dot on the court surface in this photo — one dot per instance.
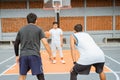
[9, 69]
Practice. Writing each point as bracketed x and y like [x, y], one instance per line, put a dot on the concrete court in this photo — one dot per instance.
[112, 55]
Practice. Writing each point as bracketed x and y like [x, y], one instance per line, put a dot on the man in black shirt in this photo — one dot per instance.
[29, 38]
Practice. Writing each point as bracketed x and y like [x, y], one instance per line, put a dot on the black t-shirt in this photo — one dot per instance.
[29, 38]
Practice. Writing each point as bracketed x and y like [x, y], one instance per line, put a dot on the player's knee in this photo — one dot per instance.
[99, 71]
[72, 72]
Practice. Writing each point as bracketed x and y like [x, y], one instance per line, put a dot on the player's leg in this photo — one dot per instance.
[79, 69]
[102, 76]
[61, 55]
[40, 77]
[22, 77]
[35, 64]
[60, 51]
[24, 67]
[73, 75]
[99, 69]
[53, 47]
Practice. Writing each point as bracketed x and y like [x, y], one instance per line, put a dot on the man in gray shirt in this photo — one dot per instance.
[29, 38]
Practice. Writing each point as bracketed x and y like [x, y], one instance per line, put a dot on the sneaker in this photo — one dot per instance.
[62, 61]
[54, 61]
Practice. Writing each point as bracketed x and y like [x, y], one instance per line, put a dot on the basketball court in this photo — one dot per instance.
[9, 70]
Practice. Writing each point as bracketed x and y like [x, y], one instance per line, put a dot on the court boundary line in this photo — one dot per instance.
[116, 75]
[51, 73]
[3, 73]
[113, 59]
[7, 59]
[7, 69]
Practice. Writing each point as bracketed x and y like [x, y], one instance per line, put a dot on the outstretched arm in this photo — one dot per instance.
[72, 47]
[16, 49]
[47, 47]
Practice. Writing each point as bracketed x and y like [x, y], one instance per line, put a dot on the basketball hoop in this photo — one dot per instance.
[57, 4]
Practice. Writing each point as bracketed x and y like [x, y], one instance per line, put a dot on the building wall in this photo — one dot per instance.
[100, 18]
[117, 19]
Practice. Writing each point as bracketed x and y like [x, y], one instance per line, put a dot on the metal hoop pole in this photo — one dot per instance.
[57, 18]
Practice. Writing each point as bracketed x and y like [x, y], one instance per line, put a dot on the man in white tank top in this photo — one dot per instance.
[57, 41]
[90, 54]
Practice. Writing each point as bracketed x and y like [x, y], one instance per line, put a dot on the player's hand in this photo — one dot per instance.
[50, 59]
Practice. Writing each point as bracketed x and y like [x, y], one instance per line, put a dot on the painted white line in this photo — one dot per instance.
[49, 73]
[117, 77]
[31, 74]
[7, 60]
[113, 59]
[7, 70]
[11, 74]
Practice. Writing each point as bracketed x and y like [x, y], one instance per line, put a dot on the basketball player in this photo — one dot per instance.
[90, 54]
[57, 41]
[29, 39]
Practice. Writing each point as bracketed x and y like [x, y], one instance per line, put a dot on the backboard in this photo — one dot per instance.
[50, 4]
[57, 3]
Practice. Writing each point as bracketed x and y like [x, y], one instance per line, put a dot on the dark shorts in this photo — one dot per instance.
[30, 62]
[85, 69]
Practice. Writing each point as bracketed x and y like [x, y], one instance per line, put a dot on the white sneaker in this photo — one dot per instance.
[62, 61]
[54, 61]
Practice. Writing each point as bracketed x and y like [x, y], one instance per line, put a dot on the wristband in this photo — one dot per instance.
[74, 62]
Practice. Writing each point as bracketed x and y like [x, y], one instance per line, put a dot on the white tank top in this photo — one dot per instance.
[89, 52]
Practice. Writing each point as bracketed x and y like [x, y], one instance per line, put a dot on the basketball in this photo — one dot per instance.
[47, 34]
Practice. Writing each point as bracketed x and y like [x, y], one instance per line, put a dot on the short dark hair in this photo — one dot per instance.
[31, 18]
[78, 28]
[55, 23]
